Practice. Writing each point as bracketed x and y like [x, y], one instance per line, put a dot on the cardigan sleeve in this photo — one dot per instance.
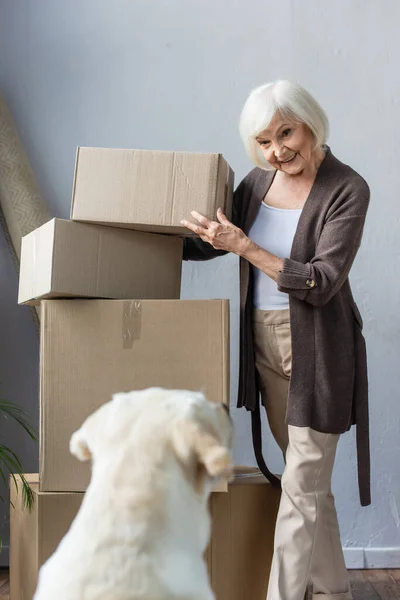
[320, 279]
[195, 249]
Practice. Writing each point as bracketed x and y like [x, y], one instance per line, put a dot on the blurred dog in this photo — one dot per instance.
[144, 523]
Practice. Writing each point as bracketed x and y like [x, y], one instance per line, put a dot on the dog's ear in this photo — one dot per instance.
[84, 441]
[191, 439]
[79, 445]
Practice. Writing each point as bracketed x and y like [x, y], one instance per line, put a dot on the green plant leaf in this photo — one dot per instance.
[9, 461]
[28, 498]
[10, 410]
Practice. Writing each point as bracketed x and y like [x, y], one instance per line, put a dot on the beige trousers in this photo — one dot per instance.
[307, 544]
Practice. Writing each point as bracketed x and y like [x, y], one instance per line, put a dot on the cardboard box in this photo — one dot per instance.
[240, 552]
[35, 535]
[91, 349]
[149, 190]
[67, 259]
[238, 557]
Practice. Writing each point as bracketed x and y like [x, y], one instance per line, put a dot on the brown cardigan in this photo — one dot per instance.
[328, 386]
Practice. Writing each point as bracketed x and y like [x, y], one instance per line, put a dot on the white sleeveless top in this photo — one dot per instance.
[273, 230]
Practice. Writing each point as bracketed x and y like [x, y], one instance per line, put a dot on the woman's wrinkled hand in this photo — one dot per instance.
[221, 234]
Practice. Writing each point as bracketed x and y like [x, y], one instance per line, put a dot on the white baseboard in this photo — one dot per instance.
[4, 557]
[372, 558]
[354, 558]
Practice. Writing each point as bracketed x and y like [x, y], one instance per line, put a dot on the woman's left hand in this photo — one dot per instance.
[222, 235]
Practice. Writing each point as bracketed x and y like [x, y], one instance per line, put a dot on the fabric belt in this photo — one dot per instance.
[257, 445]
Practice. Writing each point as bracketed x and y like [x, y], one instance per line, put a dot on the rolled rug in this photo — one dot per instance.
[22, 208]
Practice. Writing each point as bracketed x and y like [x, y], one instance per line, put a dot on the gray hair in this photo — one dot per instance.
[293, 102]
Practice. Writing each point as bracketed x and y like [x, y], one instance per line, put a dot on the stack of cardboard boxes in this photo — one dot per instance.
[108, 284]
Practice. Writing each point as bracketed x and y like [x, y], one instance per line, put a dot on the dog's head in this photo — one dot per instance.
[154, 422]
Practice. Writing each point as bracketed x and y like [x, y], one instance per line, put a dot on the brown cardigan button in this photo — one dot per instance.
[310, 283]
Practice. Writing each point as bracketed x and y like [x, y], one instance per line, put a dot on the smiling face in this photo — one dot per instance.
[287, 145]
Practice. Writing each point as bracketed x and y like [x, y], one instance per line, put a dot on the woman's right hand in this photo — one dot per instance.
[221, 234]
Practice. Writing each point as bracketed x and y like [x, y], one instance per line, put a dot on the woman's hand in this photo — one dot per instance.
[222, 235]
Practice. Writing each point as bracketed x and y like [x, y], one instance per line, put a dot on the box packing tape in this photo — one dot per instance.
[131, 322]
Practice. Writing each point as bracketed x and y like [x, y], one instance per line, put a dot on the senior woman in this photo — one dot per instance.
[297, 224]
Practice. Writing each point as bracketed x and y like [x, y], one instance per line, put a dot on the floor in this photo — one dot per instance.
[376, 584]
[4, 585]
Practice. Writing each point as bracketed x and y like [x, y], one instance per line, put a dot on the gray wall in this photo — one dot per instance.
[174, 75]
[19, 364]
